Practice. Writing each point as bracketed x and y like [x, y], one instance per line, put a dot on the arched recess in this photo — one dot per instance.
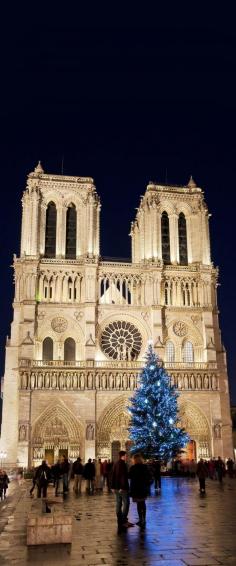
[47, 352]
[71, 229]
[165, 237]
[69, 350]
[56, 429]
[170, 352]
[113, 426]
[187, 352]
[183, 246]
[51, 228]
[196, 424]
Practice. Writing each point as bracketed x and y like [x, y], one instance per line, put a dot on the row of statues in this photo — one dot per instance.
[78, 380]
[112, 380]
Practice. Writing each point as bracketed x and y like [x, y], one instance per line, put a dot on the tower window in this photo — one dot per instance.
[48, 349]
[165, 238]
[69, 350]
[51, 227]
[183, 248]
[71, 216]
[170, 352]
[188, 352]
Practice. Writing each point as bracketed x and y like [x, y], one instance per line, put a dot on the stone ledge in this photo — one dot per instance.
[50, 529]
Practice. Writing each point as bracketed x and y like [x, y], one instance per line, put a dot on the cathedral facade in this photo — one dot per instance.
[81, 325]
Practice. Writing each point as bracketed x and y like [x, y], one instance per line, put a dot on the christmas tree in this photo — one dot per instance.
[154, 428]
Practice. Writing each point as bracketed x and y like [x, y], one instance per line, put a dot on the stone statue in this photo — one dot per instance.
[24, 380]
[180, 382]
[104, 381]
[54, 381]
[82, 381]
[75, 381]
[97, 381]
[40, 381]
[22, 432]
[199, 381]
[32, 381]
[111, 381]
[47, 380]
[192, 381]
[90, 432]
[68, 383]
[185, 382]
[132, 381]
[206, 382]
[217, 431]
[90, 381]
[124, 381]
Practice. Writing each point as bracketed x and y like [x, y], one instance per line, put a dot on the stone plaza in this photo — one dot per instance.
[182, 528]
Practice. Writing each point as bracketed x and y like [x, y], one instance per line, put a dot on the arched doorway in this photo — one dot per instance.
[56, 432]
[196, 425]
[113, 434]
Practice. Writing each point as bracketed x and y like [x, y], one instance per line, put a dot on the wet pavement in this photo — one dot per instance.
[183, 528]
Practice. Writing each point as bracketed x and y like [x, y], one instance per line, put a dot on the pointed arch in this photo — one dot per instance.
[63, 414]
[47, 353]
[165, 237]
[170, 352]
[187, 352]
[197, 426]
[51, 228]
[183, 247]
[71, 222]
[69, 349]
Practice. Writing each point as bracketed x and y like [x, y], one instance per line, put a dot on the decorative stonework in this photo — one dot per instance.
[59, 324]
[121, 340]
[180, 328]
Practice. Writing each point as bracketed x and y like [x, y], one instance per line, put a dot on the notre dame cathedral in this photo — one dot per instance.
[81, 325]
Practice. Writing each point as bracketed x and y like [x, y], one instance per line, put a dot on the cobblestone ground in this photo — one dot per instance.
[183, 528]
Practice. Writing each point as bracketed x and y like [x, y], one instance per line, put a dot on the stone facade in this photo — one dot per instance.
[81, 325]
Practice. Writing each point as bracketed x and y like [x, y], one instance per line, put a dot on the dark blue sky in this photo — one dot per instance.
[124, 104]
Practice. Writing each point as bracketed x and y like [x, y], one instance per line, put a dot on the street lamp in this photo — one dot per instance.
[3, 455]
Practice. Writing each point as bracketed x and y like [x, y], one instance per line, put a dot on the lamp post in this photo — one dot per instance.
[3, 455]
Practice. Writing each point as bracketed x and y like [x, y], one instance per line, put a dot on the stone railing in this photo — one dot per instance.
[135, 364]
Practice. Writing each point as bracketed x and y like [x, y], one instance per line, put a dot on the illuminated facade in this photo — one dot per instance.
[81, 325]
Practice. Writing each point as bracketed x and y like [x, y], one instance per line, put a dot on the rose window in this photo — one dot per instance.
[121, 340]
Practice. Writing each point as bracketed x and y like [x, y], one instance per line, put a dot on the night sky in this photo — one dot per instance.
[125, 104]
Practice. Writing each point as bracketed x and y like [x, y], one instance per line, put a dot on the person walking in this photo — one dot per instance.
[42, 476]
[202, 475]
[98, 476]
[4, 481]
[109, 474]
[33, 482]
[77, 472]
[139, 486]
[65, 468]
[120, 485]
[89, 475]
[220, 469]
[156, 471]
[57, 477]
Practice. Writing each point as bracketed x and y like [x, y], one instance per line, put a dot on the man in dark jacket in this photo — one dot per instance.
[89, 475]
[42, 476]
[77, 471]
[120, 485]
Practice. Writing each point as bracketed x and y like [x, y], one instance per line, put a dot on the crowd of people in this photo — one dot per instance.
[124, 481]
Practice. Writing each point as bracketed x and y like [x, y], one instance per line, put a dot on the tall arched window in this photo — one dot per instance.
[188, 352]
[170, 352]
[183, 248]
[165, 237]
[71, 217]
[47, 349]
[51, 228]
[69, 350]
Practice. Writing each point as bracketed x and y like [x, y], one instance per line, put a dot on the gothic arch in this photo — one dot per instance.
[63, 413]
[196, 424]
[113, 425]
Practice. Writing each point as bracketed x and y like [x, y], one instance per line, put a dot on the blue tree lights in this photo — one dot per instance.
[154, 428]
